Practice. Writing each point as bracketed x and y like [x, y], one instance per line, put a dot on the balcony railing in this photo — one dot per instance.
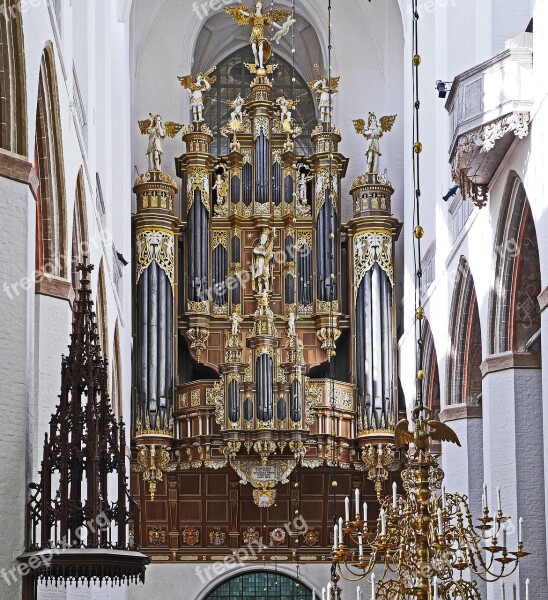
[489, 107]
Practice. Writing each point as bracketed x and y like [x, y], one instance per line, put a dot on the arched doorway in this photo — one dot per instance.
[260, 585]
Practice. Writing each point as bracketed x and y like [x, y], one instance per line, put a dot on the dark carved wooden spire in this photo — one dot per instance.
[81, 511]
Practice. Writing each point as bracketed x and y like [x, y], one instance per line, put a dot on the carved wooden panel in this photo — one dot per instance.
[216, 514]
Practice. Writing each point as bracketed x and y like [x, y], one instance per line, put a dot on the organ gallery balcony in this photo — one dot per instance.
[489, 106]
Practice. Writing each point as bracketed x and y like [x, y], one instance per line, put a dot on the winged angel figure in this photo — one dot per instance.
[196, 87]
[261, 46]
[157, 130]
[373, 132]
[325, 88]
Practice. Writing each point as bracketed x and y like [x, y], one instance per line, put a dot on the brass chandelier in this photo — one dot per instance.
[425, 542]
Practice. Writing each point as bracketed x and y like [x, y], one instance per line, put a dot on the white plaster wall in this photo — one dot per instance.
[94, 592]
[183, 582]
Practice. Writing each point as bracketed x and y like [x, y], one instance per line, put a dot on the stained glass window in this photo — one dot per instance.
[261, 586]
[233, 78]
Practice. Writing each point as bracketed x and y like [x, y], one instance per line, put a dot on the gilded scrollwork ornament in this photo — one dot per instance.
[158, 246]
[370, 248]
[377, 459]
[197, 179]
[153, 461]
[198, 337]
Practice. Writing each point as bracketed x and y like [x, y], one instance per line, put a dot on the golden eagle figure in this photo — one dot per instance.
[424, 429]
[260, 21]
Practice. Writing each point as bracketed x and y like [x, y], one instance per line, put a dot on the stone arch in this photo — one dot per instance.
[13, 99]
[101, 310]
[514, 308]
[51, 222]
[431, 384]
[80, 240]
[220, 36]
[116, 387]
[465, 352]
[233, 572]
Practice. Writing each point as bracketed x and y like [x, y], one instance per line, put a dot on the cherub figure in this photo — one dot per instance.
[221, 187]
[157, 130]
[261, 46]
[196, 87]
[325, 89]
[373, 132]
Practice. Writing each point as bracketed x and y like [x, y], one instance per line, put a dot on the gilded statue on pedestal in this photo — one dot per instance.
[286, 107]
[303, 208]
[235, 321]
[325, 89]
[374, 131]
[157, 130]
[263, 253]
[196, 87]
[261, 46]
[237, 106]
[221, 204]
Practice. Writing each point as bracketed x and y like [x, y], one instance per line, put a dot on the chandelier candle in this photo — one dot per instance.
[347, 508]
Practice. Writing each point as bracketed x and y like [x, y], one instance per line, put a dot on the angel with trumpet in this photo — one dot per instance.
[374, 131]
[261, 46]
[196, 87]
[157, 130]
[325, 89]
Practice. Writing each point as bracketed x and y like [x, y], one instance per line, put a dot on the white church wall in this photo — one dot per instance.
[16, 373]
[35, 327]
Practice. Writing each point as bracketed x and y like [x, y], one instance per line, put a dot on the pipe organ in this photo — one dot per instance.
[255, 364]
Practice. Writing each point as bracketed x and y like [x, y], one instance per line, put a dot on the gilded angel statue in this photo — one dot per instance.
[261, 46]
[196, 87]
[325, 89]
[373, 132]
[157, 130]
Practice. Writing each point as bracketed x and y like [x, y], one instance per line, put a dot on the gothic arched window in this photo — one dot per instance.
[261, 586]
[233, 78]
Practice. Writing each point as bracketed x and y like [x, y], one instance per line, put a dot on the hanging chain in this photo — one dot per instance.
[418, 230]
[332, 276]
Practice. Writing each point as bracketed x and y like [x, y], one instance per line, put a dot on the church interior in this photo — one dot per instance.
[272, 299]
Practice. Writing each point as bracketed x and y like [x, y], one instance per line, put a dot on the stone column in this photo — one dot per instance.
[543, 302]
[513, 456]
[464, 469]
[17, 234]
